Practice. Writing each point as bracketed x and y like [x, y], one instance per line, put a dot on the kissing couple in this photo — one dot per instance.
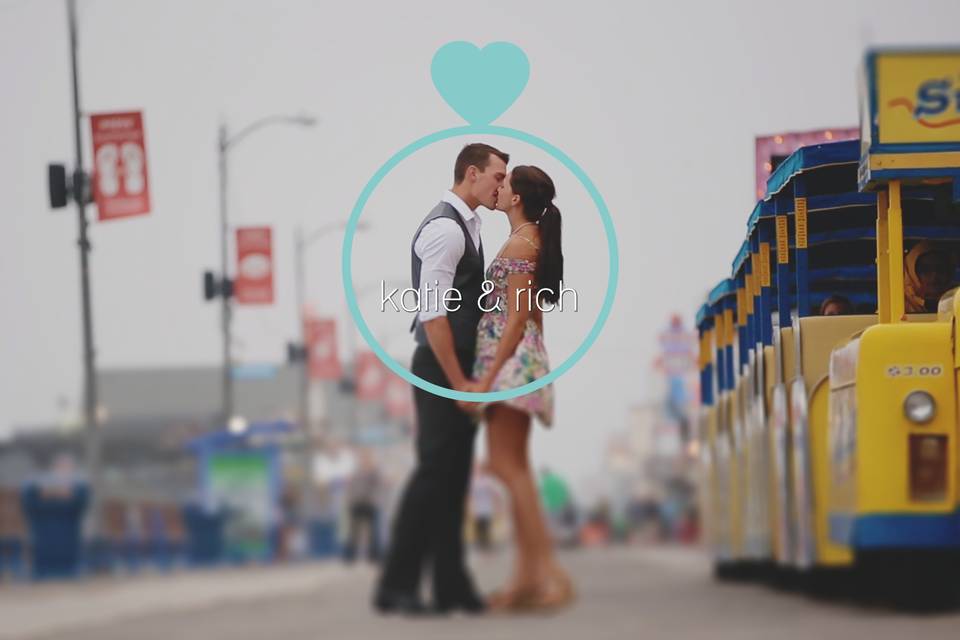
[472, 350]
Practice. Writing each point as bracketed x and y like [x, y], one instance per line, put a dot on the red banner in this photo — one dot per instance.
[120, 185]
[399, 400]
[321, 338]
[254, 281]
[371, 376]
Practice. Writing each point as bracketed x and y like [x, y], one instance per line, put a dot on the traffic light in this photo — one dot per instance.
[214, 287]
[209, 285]
[57, 185]
[61, 190]
[296, 352]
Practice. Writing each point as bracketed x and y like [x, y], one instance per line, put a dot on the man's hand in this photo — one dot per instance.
[482, 385]
[469, 406]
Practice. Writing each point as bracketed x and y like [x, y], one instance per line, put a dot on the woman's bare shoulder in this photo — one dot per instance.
[520, 248]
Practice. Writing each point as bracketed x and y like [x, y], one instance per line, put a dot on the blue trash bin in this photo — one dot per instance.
[54, 520]
[12, 563]
[204, 536]
[323, 538]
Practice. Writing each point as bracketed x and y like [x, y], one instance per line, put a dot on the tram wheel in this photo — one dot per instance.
[918, 580]
[786, 578]
[739, 571]
[830, 583]
[723, 571]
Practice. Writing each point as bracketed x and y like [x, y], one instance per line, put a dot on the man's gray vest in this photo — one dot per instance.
[468, 280]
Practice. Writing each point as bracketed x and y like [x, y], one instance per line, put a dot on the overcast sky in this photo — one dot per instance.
[658, 102]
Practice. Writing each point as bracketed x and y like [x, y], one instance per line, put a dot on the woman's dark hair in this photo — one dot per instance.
[537, 192]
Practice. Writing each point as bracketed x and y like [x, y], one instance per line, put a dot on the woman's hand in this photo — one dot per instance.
[484, 384]
[469, 406]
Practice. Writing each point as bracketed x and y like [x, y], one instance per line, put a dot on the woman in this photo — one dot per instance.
[511, 353]
[928, 272]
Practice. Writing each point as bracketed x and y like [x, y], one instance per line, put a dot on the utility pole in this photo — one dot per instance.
[223, 287]
[226, 292]
[91, 428]
[300, 353]
[306, 426]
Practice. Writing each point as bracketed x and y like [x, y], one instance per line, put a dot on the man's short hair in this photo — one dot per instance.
[478, 155]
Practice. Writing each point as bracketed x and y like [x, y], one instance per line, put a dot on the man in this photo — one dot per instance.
[446, 254]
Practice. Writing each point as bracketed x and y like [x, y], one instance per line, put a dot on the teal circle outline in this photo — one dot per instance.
[347, 271]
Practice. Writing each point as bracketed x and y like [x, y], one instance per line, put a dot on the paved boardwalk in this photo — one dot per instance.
[624, 593]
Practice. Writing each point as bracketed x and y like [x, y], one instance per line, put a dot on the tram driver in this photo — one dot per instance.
[929, 271]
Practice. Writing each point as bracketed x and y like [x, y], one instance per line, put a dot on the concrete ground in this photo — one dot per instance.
[630, 592]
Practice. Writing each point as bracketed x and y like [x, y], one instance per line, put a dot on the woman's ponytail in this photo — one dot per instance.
[550, 262]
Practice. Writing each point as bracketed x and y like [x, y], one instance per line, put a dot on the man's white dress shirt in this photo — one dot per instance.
[440, 247]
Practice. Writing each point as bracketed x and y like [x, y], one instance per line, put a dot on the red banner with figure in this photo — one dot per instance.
[120, 184]
[371, 376]
[254, 281]
[321, 338]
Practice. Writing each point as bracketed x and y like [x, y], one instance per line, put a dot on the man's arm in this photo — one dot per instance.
[440, 337]
[440, 247]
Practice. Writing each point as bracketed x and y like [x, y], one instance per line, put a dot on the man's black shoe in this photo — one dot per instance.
[402, 603]
[468, 604]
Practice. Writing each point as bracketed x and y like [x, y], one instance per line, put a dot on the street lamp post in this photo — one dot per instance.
[301, 242]
[90, 400]
[224, 144]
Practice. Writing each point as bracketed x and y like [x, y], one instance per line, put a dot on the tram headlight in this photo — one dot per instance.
[919, 407]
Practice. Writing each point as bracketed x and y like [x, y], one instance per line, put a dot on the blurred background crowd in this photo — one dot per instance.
[177, 491]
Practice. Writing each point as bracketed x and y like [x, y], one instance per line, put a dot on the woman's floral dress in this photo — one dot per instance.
[529, 361]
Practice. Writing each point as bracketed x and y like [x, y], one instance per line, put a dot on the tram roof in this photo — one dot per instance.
[741, 257]
[763, 209]
[704, 313]
[725, 288]
[812, 157]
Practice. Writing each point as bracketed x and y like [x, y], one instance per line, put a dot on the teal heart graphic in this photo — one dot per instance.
[480, 84]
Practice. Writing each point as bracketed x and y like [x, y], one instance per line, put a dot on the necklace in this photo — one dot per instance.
[517, 230]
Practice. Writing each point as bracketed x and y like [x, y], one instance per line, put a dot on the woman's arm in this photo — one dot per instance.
[519, 300]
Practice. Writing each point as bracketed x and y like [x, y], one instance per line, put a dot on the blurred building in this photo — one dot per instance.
[148, 415]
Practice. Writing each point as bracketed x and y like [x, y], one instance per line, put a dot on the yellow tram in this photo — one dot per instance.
[828, 376]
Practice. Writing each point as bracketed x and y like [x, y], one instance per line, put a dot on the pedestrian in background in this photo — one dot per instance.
[484, 504]
[364, 489]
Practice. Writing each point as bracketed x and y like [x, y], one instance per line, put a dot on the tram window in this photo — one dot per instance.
[929, 271]
[836, 306]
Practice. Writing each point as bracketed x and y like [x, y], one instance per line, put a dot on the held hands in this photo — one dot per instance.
[471, 407]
